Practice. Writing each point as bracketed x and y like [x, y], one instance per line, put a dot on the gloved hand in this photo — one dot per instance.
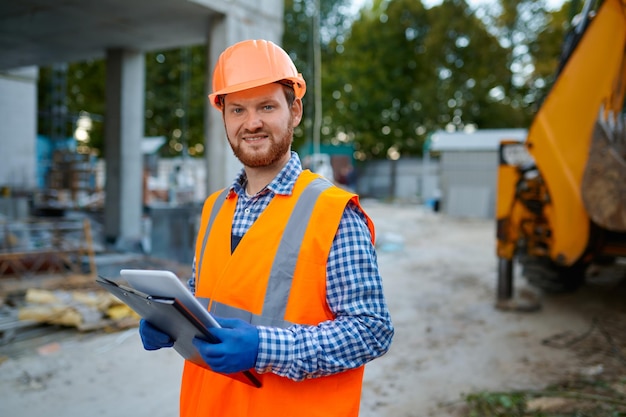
[153, 338]
[237, 350]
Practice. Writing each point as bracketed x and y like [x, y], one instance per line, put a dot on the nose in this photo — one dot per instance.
[253, 121]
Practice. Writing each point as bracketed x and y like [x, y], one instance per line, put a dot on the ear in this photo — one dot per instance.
[296, 111]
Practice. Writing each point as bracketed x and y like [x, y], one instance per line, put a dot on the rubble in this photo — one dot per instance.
[82, 310]
[72, 301]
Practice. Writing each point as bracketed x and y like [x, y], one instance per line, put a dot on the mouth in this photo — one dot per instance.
[254, 138]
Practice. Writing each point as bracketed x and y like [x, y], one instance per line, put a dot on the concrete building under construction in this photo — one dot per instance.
[36, 33]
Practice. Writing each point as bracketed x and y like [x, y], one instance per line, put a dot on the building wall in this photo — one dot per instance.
[406, 179]
[465, 181]
[468, 183]
[18, 128]
[374, 179]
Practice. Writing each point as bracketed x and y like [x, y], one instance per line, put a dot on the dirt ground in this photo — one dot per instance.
[439, 276]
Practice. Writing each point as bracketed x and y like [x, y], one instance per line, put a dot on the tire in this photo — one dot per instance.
[546, 275]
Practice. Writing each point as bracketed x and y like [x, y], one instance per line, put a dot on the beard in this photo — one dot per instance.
[279, 146]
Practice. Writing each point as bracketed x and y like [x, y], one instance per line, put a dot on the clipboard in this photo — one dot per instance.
[174, 318]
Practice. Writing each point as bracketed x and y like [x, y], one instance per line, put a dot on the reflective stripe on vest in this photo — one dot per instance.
[219, 201]
[283, 267]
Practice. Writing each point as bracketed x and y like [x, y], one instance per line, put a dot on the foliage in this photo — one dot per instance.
[368, 81]
[175, 98]
[84, 85]
[174, 105]
[298, 40]
[571, 399]
[497, 404]
[425, 69]
[546, 47]
[532, 36]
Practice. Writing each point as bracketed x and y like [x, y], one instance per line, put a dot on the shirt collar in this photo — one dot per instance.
[282, 183]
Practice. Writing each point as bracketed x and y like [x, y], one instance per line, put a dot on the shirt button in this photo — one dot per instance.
[247, 211]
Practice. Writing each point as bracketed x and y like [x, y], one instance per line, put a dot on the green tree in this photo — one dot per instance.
[546, 48]
[175, 99]
[406, 70]
[366, 82]
[81, 89]
[299, 18]
[532, 35]
[471, 69]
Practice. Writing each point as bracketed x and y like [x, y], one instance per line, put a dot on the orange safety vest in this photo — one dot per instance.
[296, 231]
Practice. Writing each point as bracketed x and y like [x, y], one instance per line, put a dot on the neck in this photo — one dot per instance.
[259, 177]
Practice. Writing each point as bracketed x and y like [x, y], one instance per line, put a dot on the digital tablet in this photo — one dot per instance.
[160, 283]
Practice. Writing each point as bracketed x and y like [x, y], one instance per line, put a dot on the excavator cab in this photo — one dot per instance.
[561, 194]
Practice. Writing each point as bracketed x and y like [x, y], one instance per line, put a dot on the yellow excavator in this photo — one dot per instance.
[561, 194]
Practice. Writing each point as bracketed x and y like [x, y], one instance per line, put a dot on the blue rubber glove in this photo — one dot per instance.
[153, 338]
[238, 348]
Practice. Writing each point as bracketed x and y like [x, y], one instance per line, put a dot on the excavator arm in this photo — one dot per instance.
[573, 181]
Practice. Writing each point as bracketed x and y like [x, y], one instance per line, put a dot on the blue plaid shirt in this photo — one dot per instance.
[362, 329]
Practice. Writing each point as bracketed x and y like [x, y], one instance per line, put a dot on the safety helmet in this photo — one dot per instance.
[253, 63]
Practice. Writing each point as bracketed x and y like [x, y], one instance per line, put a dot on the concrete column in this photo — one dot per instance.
[216, 145]
[124, 130]
[18, 128]
[232, 24]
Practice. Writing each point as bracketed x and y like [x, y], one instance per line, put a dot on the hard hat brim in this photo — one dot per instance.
[299, 87]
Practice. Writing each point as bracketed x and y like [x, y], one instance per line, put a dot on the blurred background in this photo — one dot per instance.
[109, 147]
[104, 115]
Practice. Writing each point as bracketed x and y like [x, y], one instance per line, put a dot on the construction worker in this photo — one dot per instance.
[284, 260]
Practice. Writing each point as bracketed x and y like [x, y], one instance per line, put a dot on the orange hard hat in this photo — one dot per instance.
[250, 64]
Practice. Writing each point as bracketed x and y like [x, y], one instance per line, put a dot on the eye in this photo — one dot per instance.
[268, 107]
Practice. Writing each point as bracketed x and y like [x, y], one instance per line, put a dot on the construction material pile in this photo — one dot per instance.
[84, 310]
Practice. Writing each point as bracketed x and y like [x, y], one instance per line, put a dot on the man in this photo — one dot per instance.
[284, 260]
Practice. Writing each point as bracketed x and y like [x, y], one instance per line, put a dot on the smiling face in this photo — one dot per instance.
[259, 125]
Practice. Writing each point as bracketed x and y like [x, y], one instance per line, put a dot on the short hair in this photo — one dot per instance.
[290, 93]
